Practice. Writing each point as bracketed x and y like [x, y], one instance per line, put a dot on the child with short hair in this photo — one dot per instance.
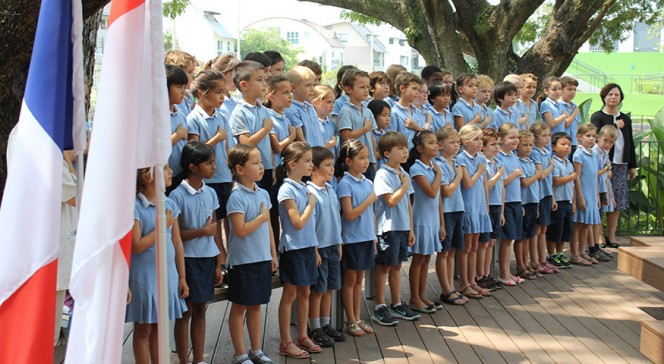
[504, 93]
[521, 115]
[252, 256]
[547, 203]
[567, 95]
[484, 88]
[176, 83]
[302, 113]
[513, 210]
[530, 197]
[465, 110]
[439, 100]
[453, 210]
[495, 174]
[356, 120]
[225, 64]
[323, 102]
[382, 113]
[475, 199]
[392, 72]
[605, 140]
[278, 64]
[314, 67]
[356, 194]
[328, 233]
[407, 119]
[559, 230]
[188, 64]
[431, 73]
[428, 219]
[421, 103]
[142, 309]
[298, 247]
[394, 228]
[526, 103]
[550, 107]
[379, 85]
[250, 121]
[203, 249]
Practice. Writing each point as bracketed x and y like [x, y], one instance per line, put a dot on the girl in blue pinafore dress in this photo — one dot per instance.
[476, 220]
[142, 309]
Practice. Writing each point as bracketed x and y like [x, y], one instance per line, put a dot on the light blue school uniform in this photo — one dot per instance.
[256, 246]
[396, 218]
[530, 194]
[377, 135]
[177, 119]
[362, 228]
[466, 110]
[531, 111]
[484, 112]
[391, 100]
[328, 219]
[573, 128]
[602, 159]
[588, 178]
[562, 167]
[187, 103]
[476, 219]
[339, 104]
[501, 117]
[205, 126]
[453, 203]
[248, 119]
[280, 130]
[143, 269]
[305, 114]
[542, 157]
[495, 192]
[352, 117]
[426, 217]
[196, 207]
[556, 109]
[511, 162]
[398, 121]
[440, 119]
[518, 114]
[292, 238]
[329, 128]
[227, 107]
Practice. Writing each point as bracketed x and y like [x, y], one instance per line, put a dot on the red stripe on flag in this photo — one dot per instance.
[121, 7]
[27, 319]
[125, 244]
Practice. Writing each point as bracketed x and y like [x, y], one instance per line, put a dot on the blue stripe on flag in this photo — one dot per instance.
[48, 92]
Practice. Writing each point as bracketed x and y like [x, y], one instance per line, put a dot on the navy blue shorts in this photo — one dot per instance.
[560, 229]
[497, 233]
[392, 248]
[250, 284]
[513, 227]
[200, 278]
[298, 267]
[453, 231]
[545, 206]
[529, 220]
[358, 256]
[223, 191]
[329, 271]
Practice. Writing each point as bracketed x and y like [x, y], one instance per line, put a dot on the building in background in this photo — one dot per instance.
[201, 33]
[362, 48]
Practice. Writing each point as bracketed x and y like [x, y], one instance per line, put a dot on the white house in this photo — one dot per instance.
[200, 33]
[316, 42]
[362, 48]
[398, 49]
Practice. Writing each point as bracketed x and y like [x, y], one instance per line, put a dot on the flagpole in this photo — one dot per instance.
[162, 272]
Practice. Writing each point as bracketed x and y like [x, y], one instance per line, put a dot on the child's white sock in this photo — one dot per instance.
[314, 323]
[324, 320]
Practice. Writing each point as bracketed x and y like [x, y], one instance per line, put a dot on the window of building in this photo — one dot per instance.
[402, 42]
[393, 40]
[219, 47]
[305, 35]
[403, 60]
[342, 37]
[293, 37]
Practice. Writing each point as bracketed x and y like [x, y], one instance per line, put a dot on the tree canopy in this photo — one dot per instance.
[269, 40]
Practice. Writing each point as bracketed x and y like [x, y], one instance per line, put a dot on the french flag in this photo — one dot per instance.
[131, 130]
[50, 116]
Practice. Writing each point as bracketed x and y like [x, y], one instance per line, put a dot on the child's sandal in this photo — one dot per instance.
[483, 291]
[306, 344]
[300, 354]
[365, 327]
[470, 292]
[355, 330]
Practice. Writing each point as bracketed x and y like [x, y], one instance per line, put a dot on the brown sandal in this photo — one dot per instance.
[306, 344]
[483, 291]
[366, 328]
[355, 330]
[468, 291]
[301, 354]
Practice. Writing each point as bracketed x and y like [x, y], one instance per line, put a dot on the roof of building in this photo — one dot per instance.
[324, 32]
[364, 33]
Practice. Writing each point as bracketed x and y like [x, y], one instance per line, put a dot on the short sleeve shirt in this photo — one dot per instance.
[292, 238]
[501, 117]
[306, 114]
[256, 246]
[602, 159]
[352, 117]
[511, 162]
[249, 119]
[572, 129]
[464, 109]
[398, 121]
[453, 203]
[339, 104]
[280, 130]
[177, 119]
[563, 168]
[196, 207]
[362, 228]
[531, 193]
[495, 192]
[205, 126]
[440, 119]
[556, 109]
[328, 218]
[388, 218]
[541, 157]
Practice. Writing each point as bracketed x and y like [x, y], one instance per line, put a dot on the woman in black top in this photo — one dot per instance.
[622, 155]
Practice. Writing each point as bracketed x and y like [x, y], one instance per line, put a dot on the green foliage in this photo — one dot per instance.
[174, 8]
[260, 41]
[359, 18]
[170, 42]
[584, 110]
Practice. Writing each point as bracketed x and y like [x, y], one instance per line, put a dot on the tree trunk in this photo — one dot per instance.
[18, 19]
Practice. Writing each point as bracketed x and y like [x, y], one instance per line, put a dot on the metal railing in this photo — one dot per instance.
[646, 193]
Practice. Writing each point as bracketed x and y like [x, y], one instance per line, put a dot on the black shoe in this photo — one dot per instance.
[319, 337]
[332, 333]
[610, 244]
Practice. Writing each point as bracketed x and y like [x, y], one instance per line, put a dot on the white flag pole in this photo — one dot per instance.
[78, 91]
[162, 271]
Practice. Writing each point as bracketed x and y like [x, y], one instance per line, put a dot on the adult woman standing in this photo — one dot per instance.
[622, 155]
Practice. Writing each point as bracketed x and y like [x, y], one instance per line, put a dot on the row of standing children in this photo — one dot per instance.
[465, 188]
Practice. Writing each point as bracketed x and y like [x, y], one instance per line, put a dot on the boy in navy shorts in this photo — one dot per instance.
[394, 228]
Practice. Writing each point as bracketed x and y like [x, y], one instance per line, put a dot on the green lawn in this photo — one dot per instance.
[622, 63]
[637, 104]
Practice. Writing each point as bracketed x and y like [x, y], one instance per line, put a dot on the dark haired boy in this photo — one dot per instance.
[405, 118]
[504, 93]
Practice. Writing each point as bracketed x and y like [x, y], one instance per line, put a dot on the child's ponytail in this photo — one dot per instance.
[414, 154]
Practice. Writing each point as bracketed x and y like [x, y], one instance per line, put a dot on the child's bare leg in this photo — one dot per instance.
[302, 310]
[481, 259]
[154, 344]
[551, 247]
[471, 270]
[198, 331]
[451, 255]
[441, 272]
[518, 255]
[254, 326]
[380, 277]
[488, 256]
[347, 294]
[285, 305]
[236, 327]
[394, 279]
[140, 342]
[325, 304]
[531, 244]
[612, 224]
[574, 243]
[315, 299]
[424, 270]
[182, 335]
[462, 261]
[541, 244]
[357, 294]
[414, 280]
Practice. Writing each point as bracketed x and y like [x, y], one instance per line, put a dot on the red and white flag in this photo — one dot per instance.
[131, 130]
